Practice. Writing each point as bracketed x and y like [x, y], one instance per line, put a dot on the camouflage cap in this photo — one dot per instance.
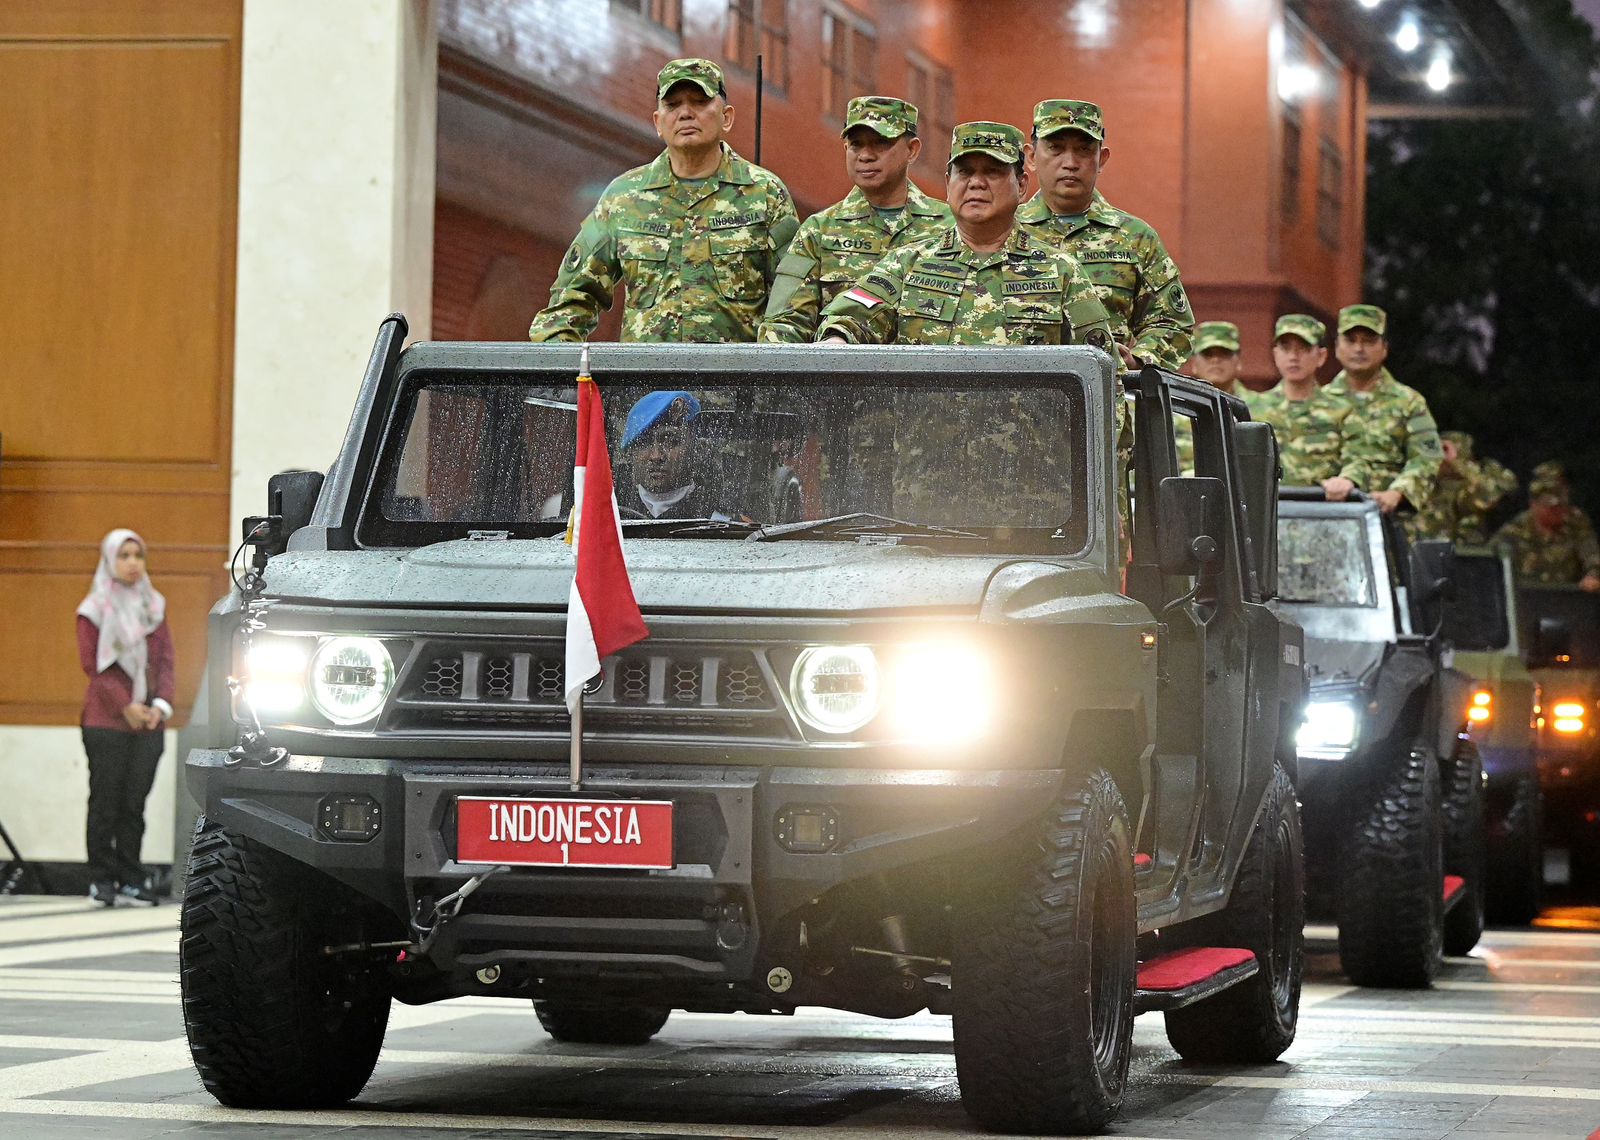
[1546, 487]
[1216, 334]
[1551, 469]
[701, 72]
[999, 140]
[891, 118]
[1307, 328]
[1363, 317]
[1054, 115]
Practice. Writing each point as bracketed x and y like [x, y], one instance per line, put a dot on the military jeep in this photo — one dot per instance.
[1560, 627]
[1483, 627]
[1390, 782]
[900, 739]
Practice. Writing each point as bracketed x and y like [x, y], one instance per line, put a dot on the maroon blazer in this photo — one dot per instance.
[112, 691]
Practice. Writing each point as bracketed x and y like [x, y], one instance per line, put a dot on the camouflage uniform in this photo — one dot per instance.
[697, 257]
[1564, 555]
[1122, 255]
[1315, 441]
[1395, 419]
[1464, 495]
[836, 246]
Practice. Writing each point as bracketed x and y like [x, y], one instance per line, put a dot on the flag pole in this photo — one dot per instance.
[577, 745]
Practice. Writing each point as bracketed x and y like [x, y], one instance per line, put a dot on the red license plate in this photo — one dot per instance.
[564, 833]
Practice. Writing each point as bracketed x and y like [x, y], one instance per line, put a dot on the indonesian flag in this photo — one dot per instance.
[602, 615]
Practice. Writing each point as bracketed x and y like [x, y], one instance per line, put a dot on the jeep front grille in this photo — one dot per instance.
[716, 690]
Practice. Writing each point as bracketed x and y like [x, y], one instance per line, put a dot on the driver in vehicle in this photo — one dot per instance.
[658, 442]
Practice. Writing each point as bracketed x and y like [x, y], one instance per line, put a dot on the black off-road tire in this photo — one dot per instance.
[272, 1021]
[1255, 1021]
[1391, 899]
[1043, 972]
[1515, 878]
[1464, 850]
[600, 1025]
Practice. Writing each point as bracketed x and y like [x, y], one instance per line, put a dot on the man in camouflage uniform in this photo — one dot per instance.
[884, 211]
[696, 236]
[1217, 361]
[1122, 255]
[1394, 418]
[1317, 442]
[983, 279]
[1467, 490]
[1552, 541]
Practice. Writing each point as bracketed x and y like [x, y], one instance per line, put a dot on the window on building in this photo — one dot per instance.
[1289, 182]
[667, 13]
[760, 27]
[849, 59]
[932, 90]
[1330, 195]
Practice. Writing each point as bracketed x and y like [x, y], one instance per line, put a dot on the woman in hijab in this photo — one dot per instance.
[126, 650]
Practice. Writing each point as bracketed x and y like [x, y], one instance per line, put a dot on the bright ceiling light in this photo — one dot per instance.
[1408, 36]
[1296, 80]
[1369, 5]
[1439, 76]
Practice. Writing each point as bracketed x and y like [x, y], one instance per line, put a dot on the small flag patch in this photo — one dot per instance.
[861, 296]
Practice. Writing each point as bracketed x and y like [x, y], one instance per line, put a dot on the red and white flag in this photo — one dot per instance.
[602, 615]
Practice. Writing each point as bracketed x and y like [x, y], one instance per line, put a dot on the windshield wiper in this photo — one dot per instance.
[858, 524]
[693, 528]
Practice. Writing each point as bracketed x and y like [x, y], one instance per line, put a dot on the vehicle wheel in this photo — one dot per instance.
[1515, 875]
[1255, 1020]
[1464, 852]
[1043, 973]
[1391, 894]
[576, 1024]
[272, 1021]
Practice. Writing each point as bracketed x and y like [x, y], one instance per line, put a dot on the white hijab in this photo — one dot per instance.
[125, 615]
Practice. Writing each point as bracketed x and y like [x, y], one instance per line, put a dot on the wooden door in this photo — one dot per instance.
[118, 199]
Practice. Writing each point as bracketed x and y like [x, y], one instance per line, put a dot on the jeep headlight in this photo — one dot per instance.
[835, 687]
[1328, 731]
[350, 679]
[942, 694]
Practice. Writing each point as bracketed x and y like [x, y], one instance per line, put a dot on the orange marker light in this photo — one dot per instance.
[1481, 708]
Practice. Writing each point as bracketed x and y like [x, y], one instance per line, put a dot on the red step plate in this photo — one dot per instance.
[634, 834]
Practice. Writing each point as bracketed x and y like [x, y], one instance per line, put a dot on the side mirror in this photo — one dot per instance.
[1552, 643]
[1191, 513]
[291, 499]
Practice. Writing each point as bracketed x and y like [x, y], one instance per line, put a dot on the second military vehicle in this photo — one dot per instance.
[1391, 784]
[1561, 629]
[900, 738]
[1482, 628]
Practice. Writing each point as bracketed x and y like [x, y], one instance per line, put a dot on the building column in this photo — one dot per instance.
[336, 192]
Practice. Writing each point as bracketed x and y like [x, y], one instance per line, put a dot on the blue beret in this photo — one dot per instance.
[648, 412]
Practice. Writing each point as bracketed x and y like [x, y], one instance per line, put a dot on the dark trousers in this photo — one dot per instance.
[122, 766]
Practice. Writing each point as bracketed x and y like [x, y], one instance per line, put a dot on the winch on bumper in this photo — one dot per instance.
[750, 848]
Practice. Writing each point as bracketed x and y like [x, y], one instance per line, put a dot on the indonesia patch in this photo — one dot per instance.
[862, 297]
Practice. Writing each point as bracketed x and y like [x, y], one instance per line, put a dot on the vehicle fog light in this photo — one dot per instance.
[835, 687]
[349, 819]
[806, 830]
[351, 678]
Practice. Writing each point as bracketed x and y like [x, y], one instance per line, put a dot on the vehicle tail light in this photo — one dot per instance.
[1481, 709]
[1568, 717]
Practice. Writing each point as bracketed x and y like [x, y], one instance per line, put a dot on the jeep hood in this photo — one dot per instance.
[698, 574]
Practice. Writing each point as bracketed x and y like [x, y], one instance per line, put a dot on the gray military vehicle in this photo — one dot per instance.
[1391, 783]
[900, 737]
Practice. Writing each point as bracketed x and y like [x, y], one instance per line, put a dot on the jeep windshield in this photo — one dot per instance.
[965, 464]
[1324, 561]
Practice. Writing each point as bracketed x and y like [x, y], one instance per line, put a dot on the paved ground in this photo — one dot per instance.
[91, 1044]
